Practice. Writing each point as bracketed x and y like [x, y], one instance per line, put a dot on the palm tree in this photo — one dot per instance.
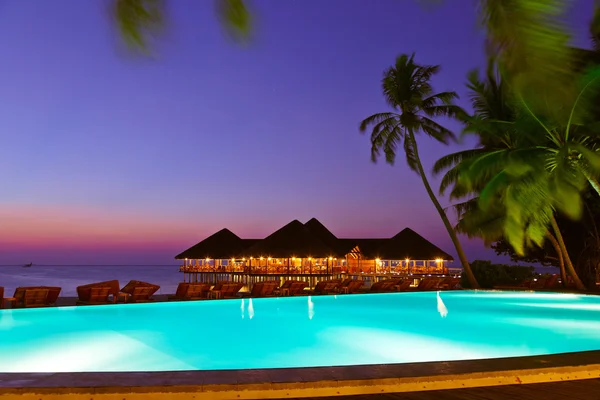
[407, 89]
[517, 179]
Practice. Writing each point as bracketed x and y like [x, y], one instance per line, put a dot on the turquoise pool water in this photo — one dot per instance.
[297, 332]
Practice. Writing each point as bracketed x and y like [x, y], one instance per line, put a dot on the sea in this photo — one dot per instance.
[68, 277]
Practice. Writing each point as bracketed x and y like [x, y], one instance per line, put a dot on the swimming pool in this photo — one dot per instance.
[297, 332]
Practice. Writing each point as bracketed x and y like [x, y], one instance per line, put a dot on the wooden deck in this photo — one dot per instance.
[588, 389]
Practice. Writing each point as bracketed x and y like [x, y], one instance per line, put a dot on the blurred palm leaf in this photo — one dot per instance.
[139, 20]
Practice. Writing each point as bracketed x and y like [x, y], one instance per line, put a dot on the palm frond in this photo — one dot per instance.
[138, 20]
[530, 41]
[451, 160]
[235, 17]
[436, 131]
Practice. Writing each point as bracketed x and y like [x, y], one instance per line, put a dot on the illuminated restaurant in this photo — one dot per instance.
[310, 251]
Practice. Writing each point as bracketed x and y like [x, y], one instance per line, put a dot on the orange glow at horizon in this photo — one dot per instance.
[59, 226]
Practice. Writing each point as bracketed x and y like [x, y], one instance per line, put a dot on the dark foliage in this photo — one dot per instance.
[489, 275]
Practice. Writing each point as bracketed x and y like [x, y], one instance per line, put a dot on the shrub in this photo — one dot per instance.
[489, 275]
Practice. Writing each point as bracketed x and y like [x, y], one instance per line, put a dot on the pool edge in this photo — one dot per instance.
[302, 382]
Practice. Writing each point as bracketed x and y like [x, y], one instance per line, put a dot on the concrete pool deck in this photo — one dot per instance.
[300, 382]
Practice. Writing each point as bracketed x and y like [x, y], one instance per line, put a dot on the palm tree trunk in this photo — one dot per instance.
[578, 284]
[561, 259]
[453, 236]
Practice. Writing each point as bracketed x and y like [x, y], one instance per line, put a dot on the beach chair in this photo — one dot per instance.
[84, 292]
[51, 296]
[262, 289]
[345, 283]
[426, 284]
[142, 294]
[283, 290]
[191, 291]
[384, 286]
[354, 286]
[404, 285]
[1, 297]
[35, 297]
[139, 292]
[226, 291]
[53, 293]
[449, 283]
[326, 287]
[297, 288]
[219, 285]
[95, 296]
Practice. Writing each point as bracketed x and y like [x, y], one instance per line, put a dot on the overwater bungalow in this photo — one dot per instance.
[310, 252]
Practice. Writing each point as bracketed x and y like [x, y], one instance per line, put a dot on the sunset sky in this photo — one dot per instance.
[116, 159]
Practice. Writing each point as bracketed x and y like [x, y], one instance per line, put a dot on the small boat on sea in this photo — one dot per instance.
[27, 265]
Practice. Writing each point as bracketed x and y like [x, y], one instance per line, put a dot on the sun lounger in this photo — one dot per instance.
[354, 286]
[139, 292]
[142, 294]
[426, 284]
[283, 290]
[404, 285]
[449, 283]
[84, 292]
[326, 287]
[297, 288]
[226, 291]
[35, 299]
[191, 291]
[95, 296]
[345, 283]
[262, 289]
[384, 286]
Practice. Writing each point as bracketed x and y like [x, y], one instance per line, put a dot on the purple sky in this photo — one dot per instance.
[109, 158]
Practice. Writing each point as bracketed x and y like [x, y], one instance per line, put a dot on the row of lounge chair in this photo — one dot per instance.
[109, 292]
[229, 290]
[94, 293]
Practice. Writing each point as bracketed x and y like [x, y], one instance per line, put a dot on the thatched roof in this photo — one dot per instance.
[293, 240]
[316, 228]
[221, 245]
[409, 244]
[313, 239]
[406, 244]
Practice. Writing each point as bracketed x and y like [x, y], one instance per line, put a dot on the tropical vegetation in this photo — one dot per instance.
[535, 172]
[538, 154]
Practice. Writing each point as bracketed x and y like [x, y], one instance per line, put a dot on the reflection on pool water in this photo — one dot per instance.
[297, 331]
